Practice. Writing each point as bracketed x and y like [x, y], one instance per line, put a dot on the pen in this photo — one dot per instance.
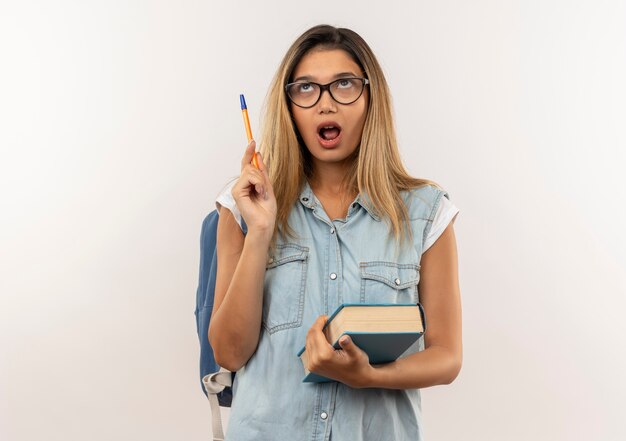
[246, 123]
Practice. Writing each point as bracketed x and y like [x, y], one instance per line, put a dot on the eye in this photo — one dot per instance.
[345, 83]
[304, 87]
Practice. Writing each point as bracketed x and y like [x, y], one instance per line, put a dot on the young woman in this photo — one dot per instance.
[333, 217]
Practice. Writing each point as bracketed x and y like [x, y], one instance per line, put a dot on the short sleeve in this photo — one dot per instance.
[446, 213]
[226, 199]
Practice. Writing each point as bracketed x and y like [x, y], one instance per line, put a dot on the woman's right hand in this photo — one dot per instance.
[254, 194]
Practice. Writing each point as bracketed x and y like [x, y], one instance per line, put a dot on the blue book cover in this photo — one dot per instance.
[381, 347]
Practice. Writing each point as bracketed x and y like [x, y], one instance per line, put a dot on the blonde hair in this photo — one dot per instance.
[377, 170]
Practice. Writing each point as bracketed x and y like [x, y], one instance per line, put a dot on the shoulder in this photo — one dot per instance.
[422, 202]
[225, 199]
[225, 196]
[430, 212]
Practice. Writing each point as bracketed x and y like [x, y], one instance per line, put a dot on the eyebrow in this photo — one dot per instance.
[336, 76]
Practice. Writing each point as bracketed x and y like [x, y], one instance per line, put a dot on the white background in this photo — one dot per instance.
[120, 123]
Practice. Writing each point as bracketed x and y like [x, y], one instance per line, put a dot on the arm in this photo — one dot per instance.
[237, 309]
[440, 361]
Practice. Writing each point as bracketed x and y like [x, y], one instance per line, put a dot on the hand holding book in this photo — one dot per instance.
[350, 365]
[378, 334]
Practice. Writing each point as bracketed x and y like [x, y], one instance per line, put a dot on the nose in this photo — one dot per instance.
[326, 102]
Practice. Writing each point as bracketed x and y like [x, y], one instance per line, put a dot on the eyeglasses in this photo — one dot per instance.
[306, 94]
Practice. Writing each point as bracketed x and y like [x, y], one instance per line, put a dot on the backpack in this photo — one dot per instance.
[216, 381]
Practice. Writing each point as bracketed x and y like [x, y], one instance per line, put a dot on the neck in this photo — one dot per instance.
[330, 179]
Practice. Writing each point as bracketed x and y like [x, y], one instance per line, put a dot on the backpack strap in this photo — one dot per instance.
[213, 385]
[216, 381]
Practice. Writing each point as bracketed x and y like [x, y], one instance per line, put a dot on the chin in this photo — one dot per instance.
[335, 155]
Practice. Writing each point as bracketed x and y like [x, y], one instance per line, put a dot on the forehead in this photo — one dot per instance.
[325, 64]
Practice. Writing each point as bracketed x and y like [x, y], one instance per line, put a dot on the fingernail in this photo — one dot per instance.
[265, 196]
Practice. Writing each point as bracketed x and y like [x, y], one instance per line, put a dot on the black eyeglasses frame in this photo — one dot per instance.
[324, 87]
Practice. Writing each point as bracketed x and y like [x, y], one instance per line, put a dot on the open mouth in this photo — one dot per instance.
[329, 132]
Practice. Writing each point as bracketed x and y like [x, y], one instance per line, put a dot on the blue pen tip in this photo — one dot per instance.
[243, 102]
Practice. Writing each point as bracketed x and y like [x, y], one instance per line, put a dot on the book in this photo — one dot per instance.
[383, 331]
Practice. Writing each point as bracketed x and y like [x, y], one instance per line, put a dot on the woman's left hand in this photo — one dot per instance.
[350, 365]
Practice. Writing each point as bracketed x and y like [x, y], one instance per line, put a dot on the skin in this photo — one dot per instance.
[330, 165]
[236, 321]
[237, 309]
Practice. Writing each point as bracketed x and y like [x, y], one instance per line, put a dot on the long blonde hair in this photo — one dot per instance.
[376, 171]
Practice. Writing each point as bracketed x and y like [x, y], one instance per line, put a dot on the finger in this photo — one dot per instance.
[319, 323]
[251, 177]
[261, 163]
[346, 343]
[268, 184]
[316, 345]
[248, 154]
[316, 336]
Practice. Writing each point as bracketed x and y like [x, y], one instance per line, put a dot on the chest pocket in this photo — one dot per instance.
[389, 282]
[284, 287]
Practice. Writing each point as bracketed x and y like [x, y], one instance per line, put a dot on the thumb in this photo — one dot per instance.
[348, 345]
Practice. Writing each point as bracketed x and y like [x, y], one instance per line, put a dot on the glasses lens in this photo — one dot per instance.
[346, 90]
[303, 94]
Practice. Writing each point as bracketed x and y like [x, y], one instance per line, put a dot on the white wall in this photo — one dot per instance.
[119, 124]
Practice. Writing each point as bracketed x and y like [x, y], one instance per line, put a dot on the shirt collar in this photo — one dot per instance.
[308, 199]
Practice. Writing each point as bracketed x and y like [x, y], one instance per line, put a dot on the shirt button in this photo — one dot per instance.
[305, 199]
[333, 276]
[271, 260]
[397, 281]
[332, 231]
[323, 415]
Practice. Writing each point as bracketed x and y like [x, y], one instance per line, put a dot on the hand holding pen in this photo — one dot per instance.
[253, 192]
